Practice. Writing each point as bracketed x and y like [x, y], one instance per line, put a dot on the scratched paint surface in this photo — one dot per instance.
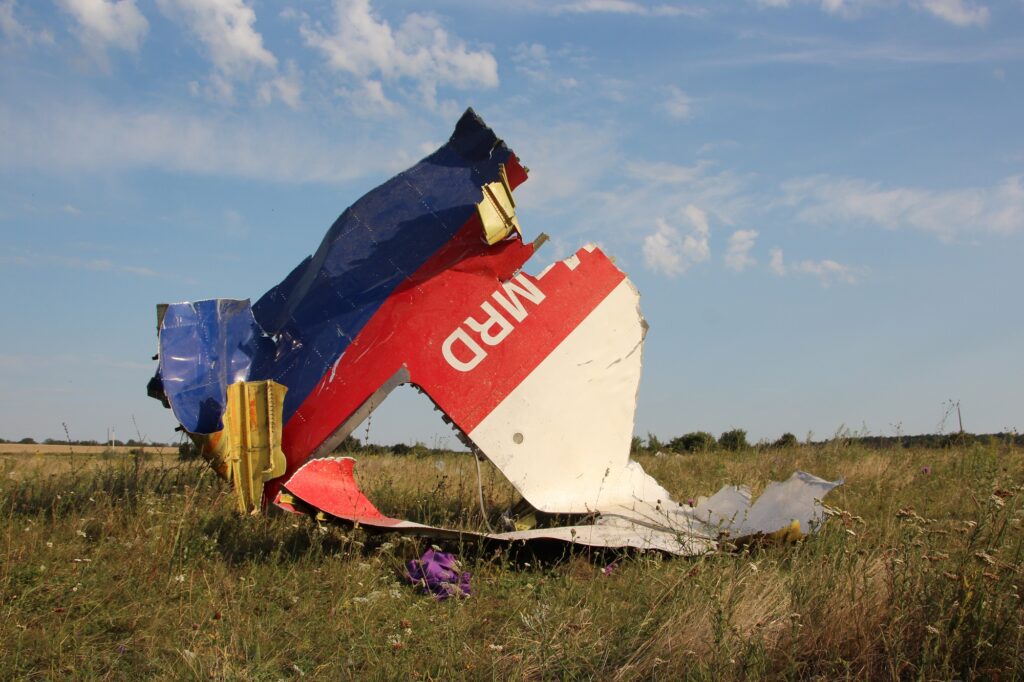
[298, 329]
[422, 280]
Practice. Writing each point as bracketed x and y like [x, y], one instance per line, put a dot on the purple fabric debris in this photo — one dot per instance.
[438, 574]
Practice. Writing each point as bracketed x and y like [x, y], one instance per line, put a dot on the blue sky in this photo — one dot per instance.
[822, 202]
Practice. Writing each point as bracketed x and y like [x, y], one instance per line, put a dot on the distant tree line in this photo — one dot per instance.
[695, 442]
[131, 442]
[736, 439]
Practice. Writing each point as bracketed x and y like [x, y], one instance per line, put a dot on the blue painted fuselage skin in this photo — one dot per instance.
[297, 331]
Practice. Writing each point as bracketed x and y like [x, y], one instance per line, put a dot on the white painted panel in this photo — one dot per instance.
[562, 437]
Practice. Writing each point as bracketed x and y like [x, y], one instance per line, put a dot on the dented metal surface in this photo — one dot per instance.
[421, 282]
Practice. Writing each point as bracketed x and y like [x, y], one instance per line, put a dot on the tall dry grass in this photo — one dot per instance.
[129, 570]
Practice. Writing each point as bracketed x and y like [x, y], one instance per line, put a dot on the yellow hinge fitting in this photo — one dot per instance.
[247, 452]
[497, 210]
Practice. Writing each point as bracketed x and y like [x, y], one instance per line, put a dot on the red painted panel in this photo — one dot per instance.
[413, 324]
[330, 486]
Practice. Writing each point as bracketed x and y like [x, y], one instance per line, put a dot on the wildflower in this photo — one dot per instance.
[926, 470]
[180, 578]
[609, 569]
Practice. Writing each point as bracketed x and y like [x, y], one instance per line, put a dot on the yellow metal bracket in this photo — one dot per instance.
[497, 210]
[247, 452]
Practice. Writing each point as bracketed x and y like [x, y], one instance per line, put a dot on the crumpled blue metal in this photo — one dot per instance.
[205, 347]
[438, 573]
[296, 331]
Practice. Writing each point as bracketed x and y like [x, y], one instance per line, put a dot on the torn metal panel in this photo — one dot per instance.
[205, 347]
[371, 262]
[327, 488]
[247, 451]
[577, 400]
[422, 281]
[497, 210]
[794, 503]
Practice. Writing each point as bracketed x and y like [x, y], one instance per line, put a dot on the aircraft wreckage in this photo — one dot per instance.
[421, 281]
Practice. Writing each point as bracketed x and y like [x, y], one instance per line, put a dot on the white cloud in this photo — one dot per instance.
[677, 104]
[15, 31]
[737, 255]
[102, 24]
[956, 12]
[668, 252]
[663, 172]
[368, 99]
[944, 213]
[9, 24]
[225, 29]
[583, 181]
[420, 50]
[286, 87]
[534, 61]
[827, 271]
[54, 137]
[31, 259]
[662, 249]
[624, 7]
[844, 8]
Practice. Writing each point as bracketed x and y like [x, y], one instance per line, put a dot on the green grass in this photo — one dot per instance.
[125, 570]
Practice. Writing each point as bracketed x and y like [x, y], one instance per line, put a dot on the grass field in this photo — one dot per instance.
[73, 450]
[134, 567]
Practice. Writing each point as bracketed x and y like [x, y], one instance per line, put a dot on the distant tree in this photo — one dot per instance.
[636, 445]
[786, 440]
[401, 449]
[349, 445]
[653, 444]
[27, 441]
[695, 441]
[734, 440]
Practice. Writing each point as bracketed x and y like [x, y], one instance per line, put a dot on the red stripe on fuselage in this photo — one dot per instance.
[413, 323]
